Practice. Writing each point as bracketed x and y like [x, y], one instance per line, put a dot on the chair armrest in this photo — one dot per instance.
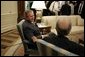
[55, 48]
[26, 41]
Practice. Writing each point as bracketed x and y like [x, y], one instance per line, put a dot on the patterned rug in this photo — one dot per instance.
[7, 39]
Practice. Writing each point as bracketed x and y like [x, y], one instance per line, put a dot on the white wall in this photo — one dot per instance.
[9, 15]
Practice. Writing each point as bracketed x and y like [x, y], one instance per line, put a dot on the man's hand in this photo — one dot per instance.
[34, 39]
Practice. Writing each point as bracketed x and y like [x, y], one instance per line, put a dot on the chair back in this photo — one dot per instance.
[24, 41]
[48, 49]
[19, 26]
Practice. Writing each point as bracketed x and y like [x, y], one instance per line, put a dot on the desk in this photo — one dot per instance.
[44, 29]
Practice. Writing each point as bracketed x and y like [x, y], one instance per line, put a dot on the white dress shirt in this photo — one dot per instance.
[72, 9]
[54, 7]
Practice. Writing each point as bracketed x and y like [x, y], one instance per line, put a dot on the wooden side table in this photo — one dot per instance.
[44, 29]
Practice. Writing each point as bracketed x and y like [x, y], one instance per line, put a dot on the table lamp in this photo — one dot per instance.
[38, 6]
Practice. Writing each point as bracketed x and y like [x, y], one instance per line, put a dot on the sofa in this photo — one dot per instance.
[77, 31]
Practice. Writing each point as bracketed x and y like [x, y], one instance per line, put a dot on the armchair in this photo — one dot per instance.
[25, 42]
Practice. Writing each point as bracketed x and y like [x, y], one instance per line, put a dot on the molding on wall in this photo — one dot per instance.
[8, 28]
[9, 13]
[13, 49]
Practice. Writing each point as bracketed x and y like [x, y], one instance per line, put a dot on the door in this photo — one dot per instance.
[21, 9]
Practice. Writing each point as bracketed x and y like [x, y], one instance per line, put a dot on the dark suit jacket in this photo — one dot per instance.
[65, 43]
[65, 10]
[47, 12]
[76, 7]
[48, 4]
[29, 30]
[82, 13]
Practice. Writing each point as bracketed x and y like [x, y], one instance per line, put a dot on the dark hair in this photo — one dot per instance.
[61, 31]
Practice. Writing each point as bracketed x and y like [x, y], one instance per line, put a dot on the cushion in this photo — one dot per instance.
[74, 30]
[50, 20]
[80, 21]
[77, 29]
[72, 18]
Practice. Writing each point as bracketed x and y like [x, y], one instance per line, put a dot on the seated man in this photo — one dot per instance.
[30, 29]
[63, 28]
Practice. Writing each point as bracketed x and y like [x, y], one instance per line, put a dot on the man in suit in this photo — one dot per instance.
[81, 9]
[63, 28]
[54, 7]
[30, 29]
[76, 6]
[65, 9]
[47, 12]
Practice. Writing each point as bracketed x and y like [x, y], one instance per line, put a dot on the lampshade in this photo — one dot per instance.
[38, 5]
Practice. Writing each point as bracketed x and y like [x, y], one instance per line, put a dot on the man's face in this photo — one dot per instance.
[30, 16]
